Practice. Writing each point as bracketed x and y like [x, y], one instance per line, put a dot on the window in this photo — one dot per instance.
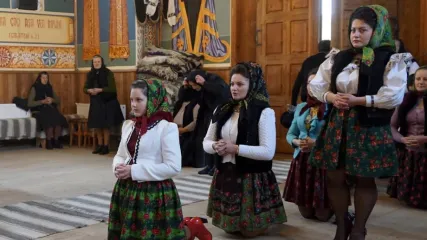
[326, 20]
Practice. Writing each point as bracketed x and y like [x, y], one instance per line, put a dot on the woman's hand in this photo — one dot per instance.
[225, 147]
[123, 171]
[307, 144]
[413, 141]
[340, 101]
[296, 142]
[182, 131]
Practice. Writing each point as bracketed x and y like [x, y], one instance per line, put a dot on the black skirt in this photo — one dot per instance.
[49, 116]
[104, 114]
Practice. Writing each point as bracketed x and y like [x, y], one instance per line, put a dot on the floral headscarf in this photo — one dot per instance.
[157, 106]
[381, 37]
[257, 93]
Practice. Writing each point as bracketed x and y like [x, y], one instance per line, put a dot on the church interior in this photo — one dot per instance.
[164, 41]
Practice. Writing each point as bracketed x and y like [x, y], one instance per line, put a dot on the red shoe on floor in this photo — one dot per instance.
[197, 228]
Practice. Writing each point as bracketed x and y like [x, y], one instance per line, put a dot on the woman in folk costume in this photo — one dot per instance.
[244, 196]
[104, 108]
[145, 203]
[363, 85]
[185, 116]
[409, 128]
[306, 185]
[44, 103]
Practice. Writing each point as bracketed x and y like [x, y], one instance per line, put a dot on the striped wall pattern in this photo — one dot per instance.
[36, 219]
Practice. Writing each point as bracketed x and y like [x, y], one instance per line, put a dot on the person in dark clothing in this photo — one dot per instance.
[214, 92]
[44, 103]
[185, 116]
[310, 63]
[104, 110]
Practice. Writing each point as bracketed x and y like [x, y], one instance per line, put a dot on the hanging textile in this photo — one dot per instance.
[119, 36]
[91, 39]
[199, 35]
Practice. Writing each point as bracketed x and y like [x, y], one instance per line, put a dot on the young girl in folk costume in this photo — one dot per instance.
[244, 196]
[409, 128]
[363, 85]
[145, 203]
[306, 185]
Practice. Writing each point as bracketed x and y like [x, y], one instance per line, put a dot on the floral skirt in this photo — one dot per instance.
[245, 202]
[306, 185]
[410, 184]
[147, 210]
[361, 151]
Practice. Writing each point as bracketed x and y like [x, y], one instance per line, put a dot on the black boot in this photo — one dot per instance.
[98, 149]
[212, 171]
[205, 170]
[105, 150]
[57, 144]
[49, 144]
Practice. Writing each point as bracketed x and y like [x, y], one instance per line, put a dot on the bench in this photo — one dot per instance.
[17, 124]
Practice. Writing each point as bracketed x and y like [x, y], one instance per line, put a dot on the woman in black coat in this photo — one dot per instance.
[185, 116]
[104, 110]
[44, 103]
[214, 92]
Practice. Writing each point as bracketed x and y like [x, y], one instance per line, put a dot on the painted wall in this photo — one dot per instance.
[223, 19]
[104, 16]
[37, 40]
[4, 4]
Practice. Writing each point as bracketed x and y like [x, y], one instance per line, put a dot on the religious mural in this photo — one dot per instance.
[195, 28]
[39, 40]
[107, 28]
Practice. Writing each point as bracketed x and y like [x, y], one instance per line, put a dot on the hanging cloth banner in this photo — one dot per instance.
[91, 39]
[119, 36]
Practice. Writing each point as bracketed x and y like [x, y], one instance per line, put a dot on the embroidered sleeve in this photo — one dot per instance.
[390, 95]
[121, 152]
[319, 86]
[267, 139]
[210, 139]
[171, 156]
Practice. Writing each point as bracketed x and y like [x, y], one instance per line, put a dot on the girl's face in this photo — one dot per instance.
[360, 34]
[44, 79]
[138, 102]
[239, 86]
[421, 80]
[97, 62]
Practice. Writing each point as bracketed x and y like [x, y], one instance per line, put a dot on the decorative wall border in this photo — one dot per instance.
[29, 57]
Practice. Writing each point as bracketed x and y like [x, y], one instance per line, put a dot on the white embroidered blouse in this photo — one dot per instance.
[389, 96]
[159, 153]
[267, 138]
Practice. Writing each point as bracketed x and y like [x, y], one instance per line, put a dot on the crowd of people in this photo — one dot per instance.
[361, 118]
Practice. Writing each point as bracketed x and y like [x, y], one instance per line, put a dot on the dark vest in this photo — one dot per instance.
[371, 79]
[248, 134]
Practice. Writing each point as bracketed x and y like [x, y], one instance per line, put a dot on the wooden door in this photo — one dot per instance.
[341, 12]
[287, 33]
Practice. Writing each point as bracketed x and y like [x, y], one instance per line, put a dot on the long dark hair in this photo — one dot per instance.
[409, 101]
